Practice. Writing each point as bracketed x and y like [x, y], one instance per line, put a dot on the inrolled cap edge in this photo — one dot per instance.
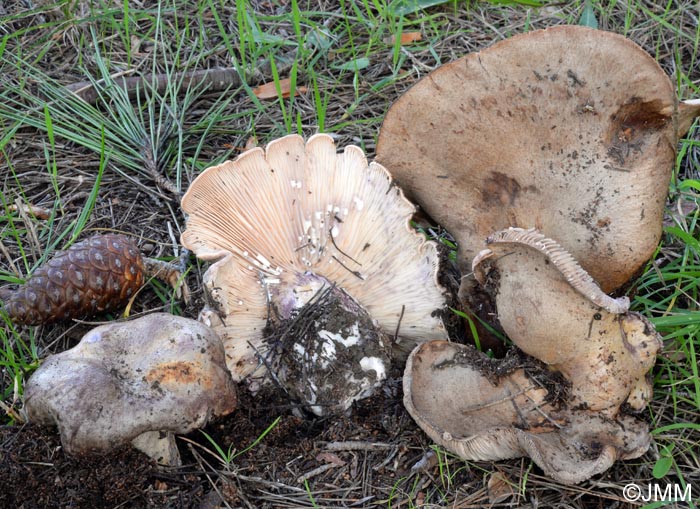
[578, 278]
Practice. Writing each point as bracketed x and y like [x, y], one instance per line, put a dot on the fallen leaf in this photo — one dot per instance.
[135, 44]
[269, 90]
[404, 7]
[356, 64]
[329, 457]
[588, 17]
[406, 38]
[38, 212]
[252, 142]
[499, 488]
[427, 462]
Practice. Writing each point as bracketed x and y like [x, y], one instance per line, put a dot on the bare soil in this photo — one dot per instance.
[376, 457]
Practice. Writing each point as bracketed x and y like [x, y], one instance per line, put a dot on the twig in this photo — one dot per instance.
[387, 460]
[356, 445]
[201, 461]
[34, 210]
[12, 413]
[264, 482]
[215, 79]
[32, 236]
[6, 254]
[316, 471]
[355, 273]
[151, 167]
[330, 235]
[170, 273]
[212, 79]
[398, 325]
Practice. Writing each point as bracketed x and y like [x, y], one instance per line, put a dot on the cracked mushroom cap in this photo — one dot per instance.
[554, 311]
[285, 222]
[569, 130]
[127, 379]
[481, 410]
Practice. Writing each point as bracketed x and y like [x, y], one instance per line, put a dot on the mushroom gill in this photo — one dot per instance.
[487, 410]
[287, 223]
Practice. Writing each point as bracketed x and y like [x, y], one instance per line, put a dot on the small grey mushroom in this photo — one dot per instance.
[475, 408]
[128, 380]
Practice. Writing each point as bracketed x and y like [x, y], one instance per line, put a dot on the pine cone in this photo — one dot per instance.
[95, 275]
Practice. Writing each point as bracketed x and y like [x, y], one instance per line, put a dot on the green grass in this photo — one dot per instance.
[228, 455]
[76, 159]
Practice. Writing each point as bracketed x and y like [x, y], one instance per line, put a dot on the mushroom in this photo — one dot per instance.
[569, 130]
[487, 410]
[330, 354]
[295, 221]
[130, 382]
[566, 403]
[554, 311]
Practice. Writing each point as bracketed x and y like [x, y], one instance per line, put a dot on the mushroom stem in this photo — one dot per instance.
[160, 446]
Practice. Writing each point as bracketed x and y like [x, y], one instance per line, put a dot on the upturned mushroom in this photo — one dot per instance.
[308, 240]
[131, 382]
[569, 130]
[570, 408]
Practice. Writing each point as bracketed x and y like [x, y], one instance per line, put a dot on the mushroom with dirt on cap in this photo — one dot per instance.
[317, 270]
[569, 401]
[554, 311]
[133, 382]
[569, 130]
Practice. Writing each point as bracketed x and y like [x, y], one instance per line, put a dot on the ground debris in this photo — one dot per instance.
[37, 474]
[356, 446]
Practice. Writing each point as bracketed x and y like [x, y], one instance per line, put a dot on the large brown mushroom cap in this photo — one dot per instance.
[285, 223]
[156, 373]
[570, 130]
